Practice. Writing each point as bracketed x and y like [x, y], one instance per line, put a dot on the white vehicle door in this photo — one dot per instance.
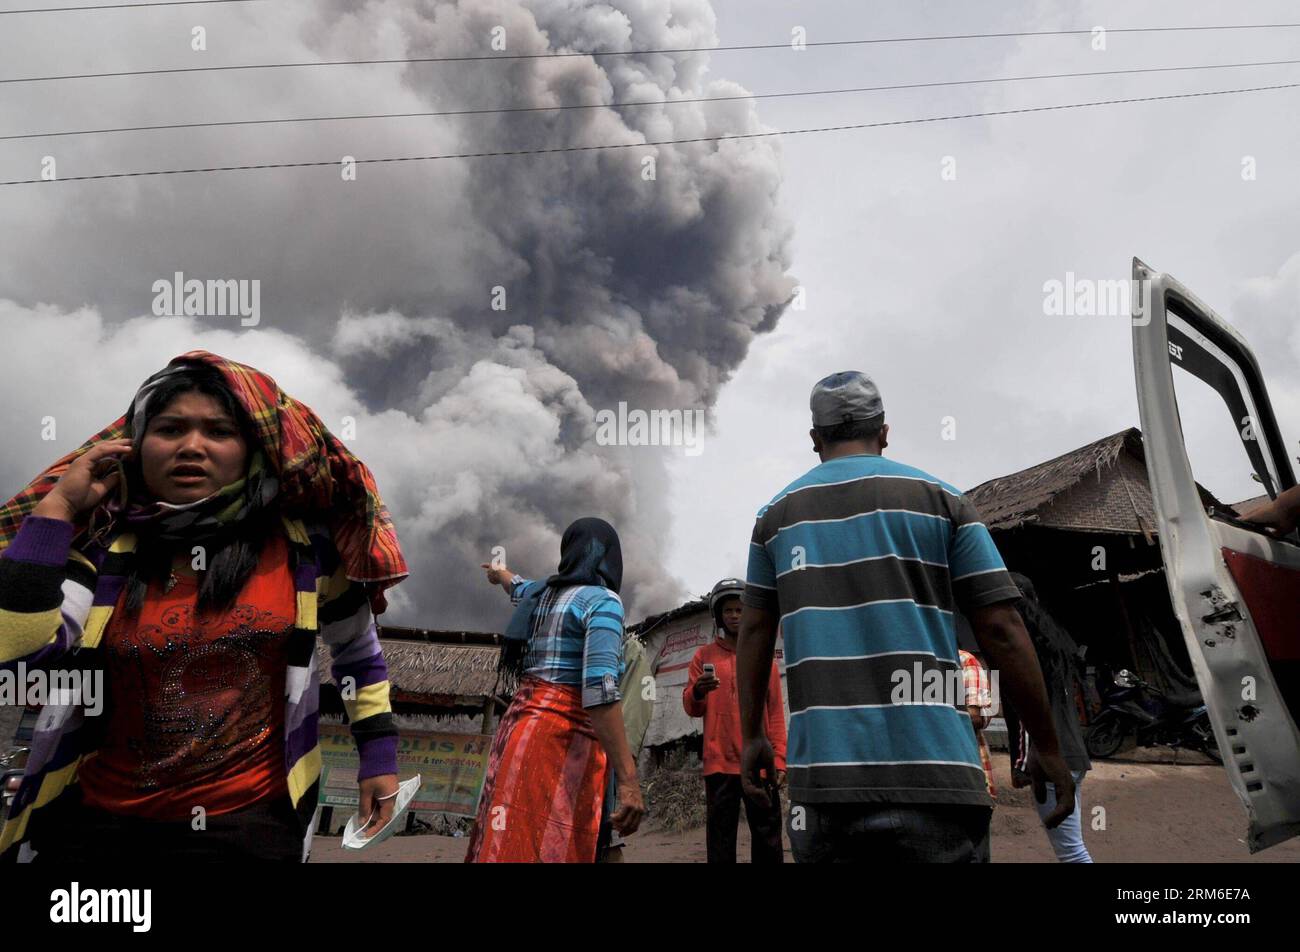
[1235, 589]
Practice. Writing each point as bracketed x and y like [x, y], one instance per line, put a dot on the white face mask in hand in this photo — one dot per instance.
[352, 836]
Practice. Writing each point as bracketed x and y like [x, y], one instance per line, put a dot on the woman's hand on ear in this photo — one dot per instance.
[88, 479]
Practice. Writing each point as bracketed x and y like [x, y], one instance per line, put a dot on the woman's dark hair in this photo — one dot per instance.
[1057, 651]
[232, 558]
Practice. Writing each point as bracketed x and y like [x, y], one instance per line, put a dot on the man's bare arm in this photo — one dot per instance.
[1001, 634]
[754, 651]
[1280, 514]
[1002, 637]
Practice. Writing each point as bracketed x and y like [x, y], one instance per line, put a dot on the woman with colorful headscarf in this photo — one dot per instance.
[563, 732]
[187, 557]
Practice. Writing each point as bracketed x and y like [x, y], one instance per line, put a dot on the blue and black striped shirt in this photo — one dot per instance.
[865, 561]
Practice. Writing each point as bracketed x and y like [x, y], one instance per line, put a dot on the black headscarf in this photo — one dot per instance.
[590, 554]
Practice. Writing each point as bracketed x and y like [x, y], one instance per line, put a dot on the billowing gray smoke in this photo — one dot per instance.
[378, 294]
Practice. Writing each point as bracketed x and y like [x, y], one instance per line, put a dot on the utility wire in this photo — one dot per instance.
[602, 53]
[123, 6]
[652, 102]
[633, 145]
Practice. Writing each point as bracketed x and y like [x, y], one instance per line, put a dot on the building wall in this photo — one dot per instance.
[671, 647]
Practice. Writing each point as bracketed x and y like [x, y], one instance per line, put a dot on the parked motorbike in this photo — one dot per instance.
[1135, 707]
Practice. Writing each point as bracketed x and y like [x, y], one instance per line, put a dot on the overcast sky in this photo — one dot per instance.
[935, 287]
[662, 293]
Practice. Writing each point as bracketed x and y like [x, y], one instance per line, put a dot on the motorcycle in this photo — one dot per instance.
[1136, 707]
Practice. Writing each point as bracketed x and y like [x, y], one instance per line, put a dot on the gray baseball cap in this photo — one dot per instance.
[845, 396]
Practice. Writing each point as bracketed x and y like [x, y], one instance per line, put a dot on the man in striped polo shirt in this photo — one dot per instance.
[863, 561]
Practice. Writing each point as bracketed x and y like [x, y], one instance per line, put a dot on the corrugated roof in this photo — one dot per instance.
[651, 621]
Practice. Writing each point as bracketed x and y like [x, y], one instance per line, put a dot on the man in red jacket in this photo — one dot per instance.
[711, 694]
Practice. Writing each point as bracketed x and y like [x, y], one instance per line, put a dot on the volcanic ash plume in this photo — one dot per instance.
[472, 316]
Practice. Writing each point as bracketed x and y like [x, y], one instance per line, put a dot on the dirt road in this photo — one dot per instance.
[1153, 812]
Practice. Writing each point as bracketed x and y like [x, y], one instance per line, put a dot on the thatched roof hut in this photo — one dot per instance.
[1083, 527]
[435, 672]
[1101, 487]
[1094, 493]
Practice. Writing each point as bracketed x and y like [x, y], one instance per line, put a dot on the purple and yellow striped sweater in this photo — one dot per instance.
[55, 602]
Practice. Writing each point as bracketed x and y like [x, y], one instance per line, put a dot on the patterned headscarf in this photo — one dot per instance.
[317, 474]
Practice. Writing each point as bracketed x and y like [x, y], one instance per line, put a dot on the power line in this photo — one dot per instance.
[634, 145]
[652, 102]
[602, 53]
[124, 6]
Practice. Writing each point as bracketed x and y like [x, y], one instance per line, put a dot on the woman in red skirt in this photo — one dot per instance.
[563, 732]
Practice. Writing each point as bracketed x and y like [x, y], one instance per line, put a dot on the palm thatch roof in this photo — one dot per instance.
[1028, 496]
[1100, 487]
[434, 672]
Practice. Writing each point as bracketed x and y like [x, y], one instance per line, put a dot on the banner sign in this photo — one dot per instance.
[451, 766]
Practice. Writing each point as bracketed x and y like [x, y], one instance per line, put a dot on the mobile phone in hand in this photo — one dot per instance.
[708, 671]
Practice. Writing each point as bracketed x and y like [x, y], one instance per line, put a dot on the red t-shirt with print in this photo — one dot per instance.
[196, 704]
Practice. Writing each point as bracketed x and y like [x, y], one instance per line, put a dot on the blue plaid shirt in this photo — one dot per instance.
[576, 638]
